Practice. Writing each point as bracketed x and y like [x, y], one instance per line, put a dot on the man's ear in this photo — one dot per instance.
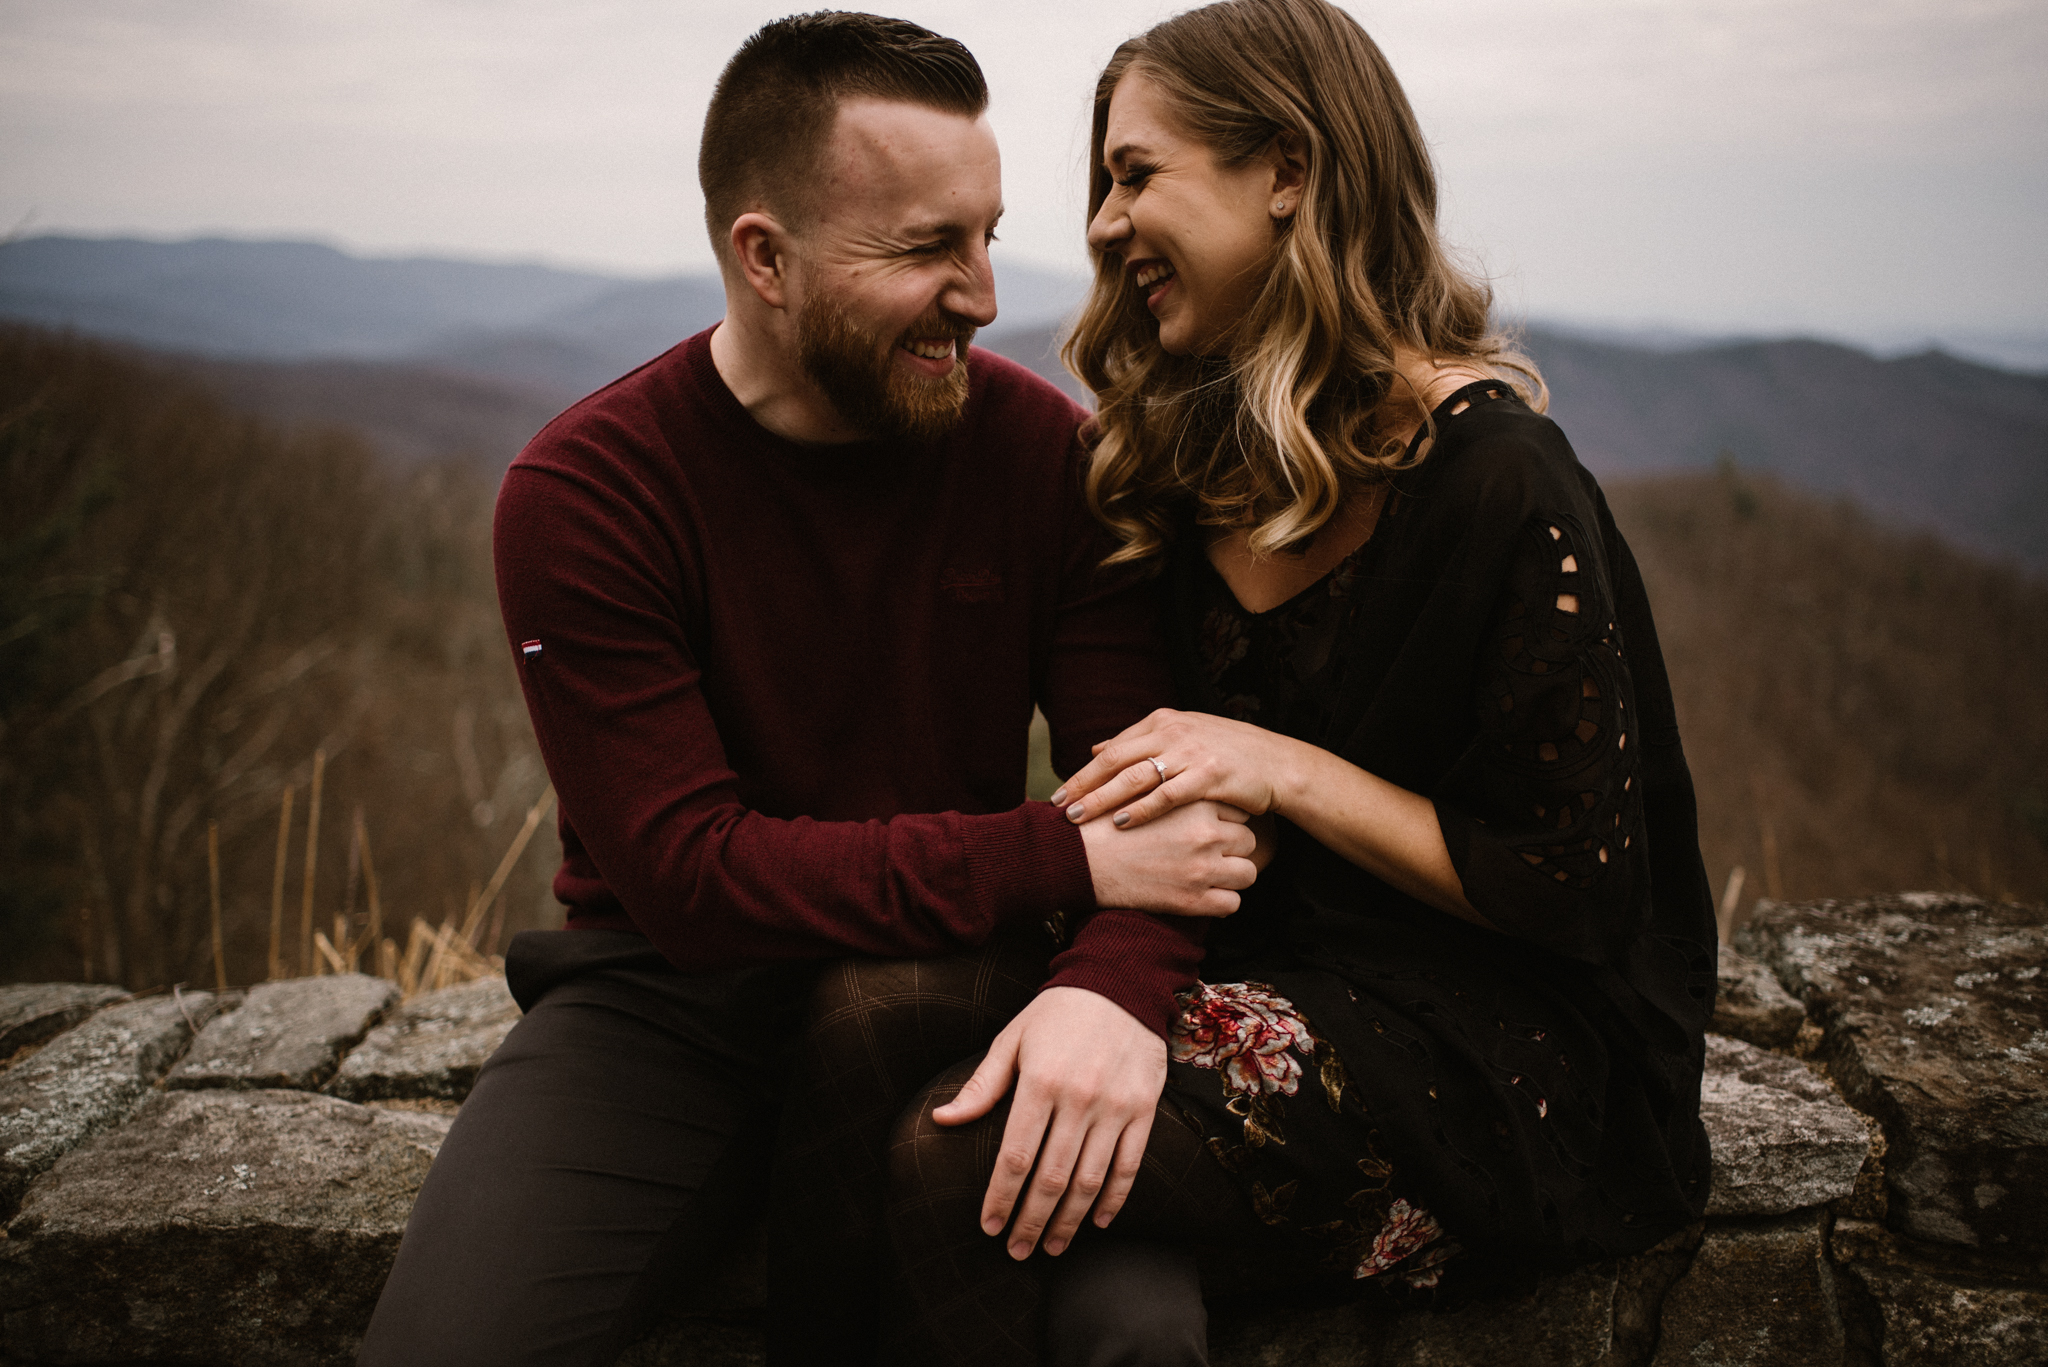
[761, 246]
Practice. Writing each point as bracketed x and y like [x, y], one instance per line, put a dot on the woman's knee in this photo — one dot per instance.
[924, 1011]
[927, 1158]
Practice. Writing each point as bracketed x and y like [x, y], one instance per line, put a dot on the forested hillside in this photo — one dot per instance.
[194, 601]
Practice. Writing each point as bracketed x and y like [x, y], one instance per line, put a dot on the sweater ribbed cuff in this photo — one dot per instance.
[1137, 961]
[1026, 864]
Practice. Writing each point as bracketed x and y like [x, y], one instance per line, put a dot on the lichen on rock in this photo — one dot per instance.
[1750, 1005]
[32, 1012]
[88, 1080]
[1782, 1139]
[432, 1046]
[253, 1227]
[1935, 1023]
[290, 1033]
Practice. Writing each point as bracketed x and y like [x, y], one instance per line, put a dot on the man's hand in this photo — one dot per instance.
[1088, 1077]
[1192, 861]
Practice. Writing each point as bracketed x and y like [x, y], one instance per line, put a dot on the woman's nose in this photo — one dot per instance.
[1109, 227]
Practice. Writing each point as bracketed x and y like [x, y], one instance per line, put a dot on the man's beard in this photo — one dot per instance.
[859, 375]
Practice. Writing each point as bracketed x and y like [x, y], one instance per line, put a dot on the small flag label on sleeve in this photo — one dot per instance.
[529, 648]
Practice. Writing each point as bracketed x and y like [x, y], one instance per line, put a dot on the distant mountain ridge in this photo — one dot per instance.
[274, 300]
[1926, 440]
[559, 331]
[438, 355]
[1923, 441]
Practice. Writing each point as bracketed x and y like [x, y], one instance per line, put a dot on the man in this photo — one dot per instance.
[782, 601]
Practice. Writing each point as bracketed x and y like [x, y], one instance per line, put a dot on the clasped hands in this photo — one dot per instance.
[1088, 1074]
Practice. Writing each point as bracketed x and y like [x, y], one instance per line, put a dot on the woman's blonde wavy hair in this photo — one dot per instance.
[1274, 435]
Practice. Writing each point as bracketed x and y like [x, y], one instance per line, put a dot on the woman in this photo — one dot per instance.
[1453, 1038]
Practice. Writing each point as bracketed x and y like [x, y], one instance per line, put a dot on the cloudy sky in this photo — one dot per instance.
[1862, 168]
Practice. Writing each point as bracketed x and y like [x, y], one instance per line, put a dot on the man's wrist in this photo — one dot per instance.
[1140, 962]
[1026, 864]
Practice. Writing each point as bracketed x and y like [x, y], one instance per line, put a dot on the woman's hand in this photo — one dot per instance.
[1198, 756]
[1210, 762]
[1193, 863]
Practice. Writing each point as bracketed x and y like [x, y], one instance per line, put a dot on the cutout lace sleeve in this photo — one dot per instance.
[1555, 784]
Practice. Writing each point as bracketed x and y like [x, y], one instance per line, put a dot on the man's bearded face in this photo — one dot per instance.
[859, 372]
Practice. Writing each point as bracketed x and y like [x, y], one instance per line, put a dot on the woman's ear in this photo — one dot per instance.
[1287, 154]
[761, 246]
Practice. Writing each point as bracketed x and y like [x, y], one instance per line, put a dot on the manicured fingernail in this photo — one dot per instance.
[1077, 811]
[1055, 1247]
[1059, 797]
[1120, 819]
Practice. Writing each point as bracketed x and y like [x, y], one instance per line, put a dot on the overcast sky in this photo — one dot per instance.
[1854, 167]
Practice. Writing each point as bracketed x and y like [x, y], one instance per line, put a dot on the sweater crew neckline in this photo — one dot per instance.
[862, 454]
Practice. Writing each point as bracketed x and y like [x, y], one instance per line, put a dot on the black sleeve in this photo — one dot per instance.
[1544, 825]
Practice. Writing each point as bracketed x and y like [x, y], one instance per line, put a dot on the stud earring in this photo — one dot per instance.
[1279, 206]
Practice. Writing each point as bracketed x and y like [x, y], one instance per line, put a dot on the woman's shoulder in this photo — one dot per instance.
[1499, 459]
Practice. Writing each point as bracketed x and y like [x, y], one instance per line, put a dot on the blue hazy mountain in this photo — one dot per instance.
[1923, 441]
[433, 355]
[275, 300]
[555, 330]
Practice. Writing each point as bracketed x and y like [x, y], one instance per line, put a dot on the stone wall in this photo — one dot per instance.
[187, 1179]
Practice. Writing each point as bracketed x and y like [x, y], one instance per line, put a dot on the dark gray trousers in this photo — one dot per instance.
[614, 1147]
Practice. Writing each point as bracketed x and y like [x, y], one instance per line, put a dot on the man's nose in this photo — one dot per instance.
[972, 293]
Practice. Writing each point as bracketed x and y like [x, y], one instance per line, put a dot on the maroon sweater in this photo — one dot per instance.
[783, 691]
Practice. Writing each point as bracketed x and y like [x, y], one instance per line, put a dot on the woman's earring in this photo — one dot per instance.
[1279, 206]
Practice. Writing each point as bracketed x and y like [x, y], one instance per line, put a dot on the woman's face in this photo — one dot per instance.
[1195, 238]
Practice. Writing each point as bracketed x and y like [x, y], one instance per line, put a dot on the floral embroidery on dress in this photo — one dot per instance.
[1245, 1031]
[1256, 1041]
[1250, 1035]
[1407, 1230]
[1388, 1234]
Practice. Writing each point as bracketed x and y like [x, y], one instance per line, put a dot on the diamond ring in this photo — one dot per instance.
[1158, 764]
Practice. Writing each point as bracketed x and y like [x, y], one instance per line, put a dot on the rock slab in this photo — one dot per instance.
[88, 1080]
[1781, 1138]
[285, 1034]
[1750, 1005]
[1756, 1295]
[1934, 1321]
[1567, 1322]
[32, 1012]
[1935, 1021]
[432, 1046]
[252, 1228]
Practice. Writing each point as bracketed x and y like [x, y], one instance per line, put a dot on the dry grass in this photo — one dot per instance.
[193, 605]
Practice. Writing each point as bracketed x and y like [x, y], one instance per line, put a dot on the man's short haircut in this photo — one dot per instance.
[772, 113]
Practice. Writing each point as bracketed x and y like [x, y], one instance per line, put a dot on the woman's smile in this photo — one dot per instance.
[1196, 237]
[1148, 274]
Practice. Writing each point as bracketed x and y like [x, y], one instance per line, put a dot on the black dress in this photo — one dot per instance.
[1412, 1098]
